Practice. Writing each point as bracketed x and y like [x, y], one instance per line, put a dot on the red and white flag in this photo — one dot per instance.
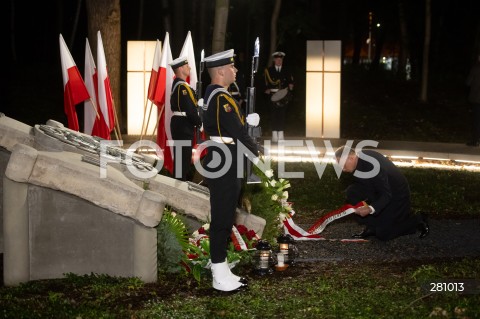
[152, 85]
[187, 51]
[90, 106]
[74, 90]
[105, 98]
[162, 101]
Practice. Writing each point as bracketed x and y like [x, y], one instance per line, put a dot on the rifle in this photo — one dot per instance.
[254, 132]
[198, 94]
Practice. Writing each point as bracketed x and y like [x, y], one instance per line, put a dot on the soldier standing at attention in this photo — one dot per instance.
[184, 118]
[224, 122]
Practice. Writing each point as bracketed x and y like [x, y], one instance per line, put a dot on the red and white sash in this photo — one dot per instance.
[313, 232]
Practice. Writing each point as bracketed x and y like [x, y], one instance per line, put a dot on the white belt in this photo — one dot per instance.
[179, 113]
[222, 139]
[273, 90]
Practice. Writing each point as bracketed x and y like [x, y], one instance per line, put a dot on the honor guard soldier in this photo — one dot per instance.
[184, 118]
[224, 122]
[279, 84]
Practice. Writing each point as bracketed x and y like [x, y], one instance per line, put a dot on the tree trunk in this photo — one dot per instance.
[177, 37]
[220, 25]
[426, 52]
[104, 16]
[273, 29]
[75, 23]
[203, 24]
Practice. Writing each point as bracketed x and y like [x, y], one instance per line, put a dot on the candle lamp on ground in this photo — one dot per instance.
[263, 258]
[286, 246]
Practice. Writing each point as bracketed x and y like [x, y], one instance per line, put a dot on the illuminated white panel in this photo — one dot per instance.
[314, 114]
[315, 56]
[333, 53]
[323, 89]
[139, 65]
[331, 106]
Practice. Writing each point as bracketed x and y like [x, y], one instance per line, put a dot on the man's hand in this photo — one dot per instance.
[253, 119]
[363, 211]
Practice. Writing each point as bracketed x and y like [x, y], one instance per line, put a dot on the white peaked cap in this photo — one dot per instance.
[220, 58]
[278, 53]
[178, 62]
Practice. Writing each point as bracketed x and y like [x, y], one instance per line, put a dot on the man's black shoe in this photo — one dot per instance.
[367, 232]
[423, 226]
[424, 229]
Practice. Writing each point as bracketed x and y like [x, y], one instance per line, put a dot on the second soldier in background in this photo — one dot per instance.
[184, 118]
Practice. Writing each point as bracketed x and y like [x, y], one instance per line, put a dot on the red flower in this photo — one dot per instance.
[202, 231]
[242, 229]
[251, 234]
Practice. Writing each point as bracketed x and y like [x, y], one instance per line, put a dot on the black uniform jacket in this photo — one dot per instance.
[222, 117]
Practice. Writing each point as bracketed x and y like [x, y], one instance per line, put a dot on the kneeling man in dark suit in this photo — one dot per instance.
[378, 182]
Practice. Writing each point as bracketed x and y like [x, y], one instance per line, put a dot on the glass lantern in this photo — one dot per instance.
[286, 246]
[263, 258]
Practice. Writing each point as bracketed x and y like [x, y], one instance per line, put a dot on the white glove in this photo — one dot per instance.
[200, 102]
[253, 119]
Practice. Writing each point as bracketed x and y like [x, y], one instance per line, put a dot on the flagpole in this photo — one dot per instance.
[95, 108]
[148, 119]
[158, 120]
[145, 126]
[116, 126]
[143, 121]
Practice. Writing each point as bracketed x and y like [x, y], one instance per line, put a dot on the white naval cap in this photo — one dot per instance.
[278, 54]
[178, 62]
[220, 58]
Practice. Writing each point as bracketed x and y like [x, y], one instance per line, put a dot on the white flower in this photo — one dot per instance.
[266, 184]
[173, 214]
[206, 226]
[282, 216]
[281, 180]
[195, 234]
[285, 195]
[287, 186]
[269, 173]
[273, 182]
[274, 197]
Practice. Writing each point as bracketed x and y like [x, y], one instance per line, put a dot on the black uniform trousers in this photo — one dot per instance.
[395, 220]
[277, 117]
[182, 130]
[224, 193]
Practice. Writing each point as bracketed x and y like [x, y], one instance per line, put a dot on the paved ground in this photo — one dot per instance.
[447, 239]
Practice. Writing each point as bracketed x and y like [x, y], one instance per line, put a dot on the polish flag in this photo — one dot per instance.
[90, 75]
[105, 98]
[152, 85]
[187, 51]
[161, 84]
[75, 91]
[162, 100]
